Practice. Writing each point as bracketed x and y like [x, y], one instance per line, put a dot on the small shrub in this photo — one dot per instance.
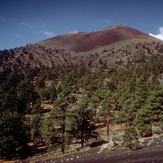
[131, 139]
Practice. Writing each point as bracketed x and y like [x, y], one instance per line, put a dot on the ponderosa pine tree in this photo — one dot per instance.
[59, 122]
[82, 124]
[13, 134]
[152, 112]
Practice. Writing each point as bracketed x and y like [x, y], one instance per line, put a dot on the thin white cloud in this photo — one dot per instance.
[34, 28]
[27, 25]
[18, 36]
[47, 34]
[73, 32]
[159, 35]
[43, 24]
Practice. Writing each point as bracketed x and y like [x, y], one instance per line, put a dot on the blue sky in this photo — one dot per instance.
[29, 21]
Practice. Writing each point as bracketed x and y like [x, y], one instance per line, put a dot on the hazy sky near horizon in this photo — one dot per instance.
[29, 21]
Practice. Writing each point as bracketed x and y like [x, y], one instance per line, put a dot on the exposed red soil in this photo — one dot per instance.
[105, 37]
[81, 42]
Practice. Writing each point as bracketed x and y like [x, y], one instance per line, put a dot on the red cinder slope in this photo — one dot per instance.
[81, 42]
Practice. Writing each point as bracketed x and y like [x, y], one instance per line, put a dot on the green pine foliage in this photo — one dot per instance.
[12, 134]
[82, 126]
[17, 99]
[49, 133]
[130, 138]
[129, 93]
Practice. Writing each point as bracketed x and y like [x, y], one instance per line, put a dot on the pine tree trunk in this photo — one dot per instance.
[63, 132]
[82, 139]
[107, 126]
